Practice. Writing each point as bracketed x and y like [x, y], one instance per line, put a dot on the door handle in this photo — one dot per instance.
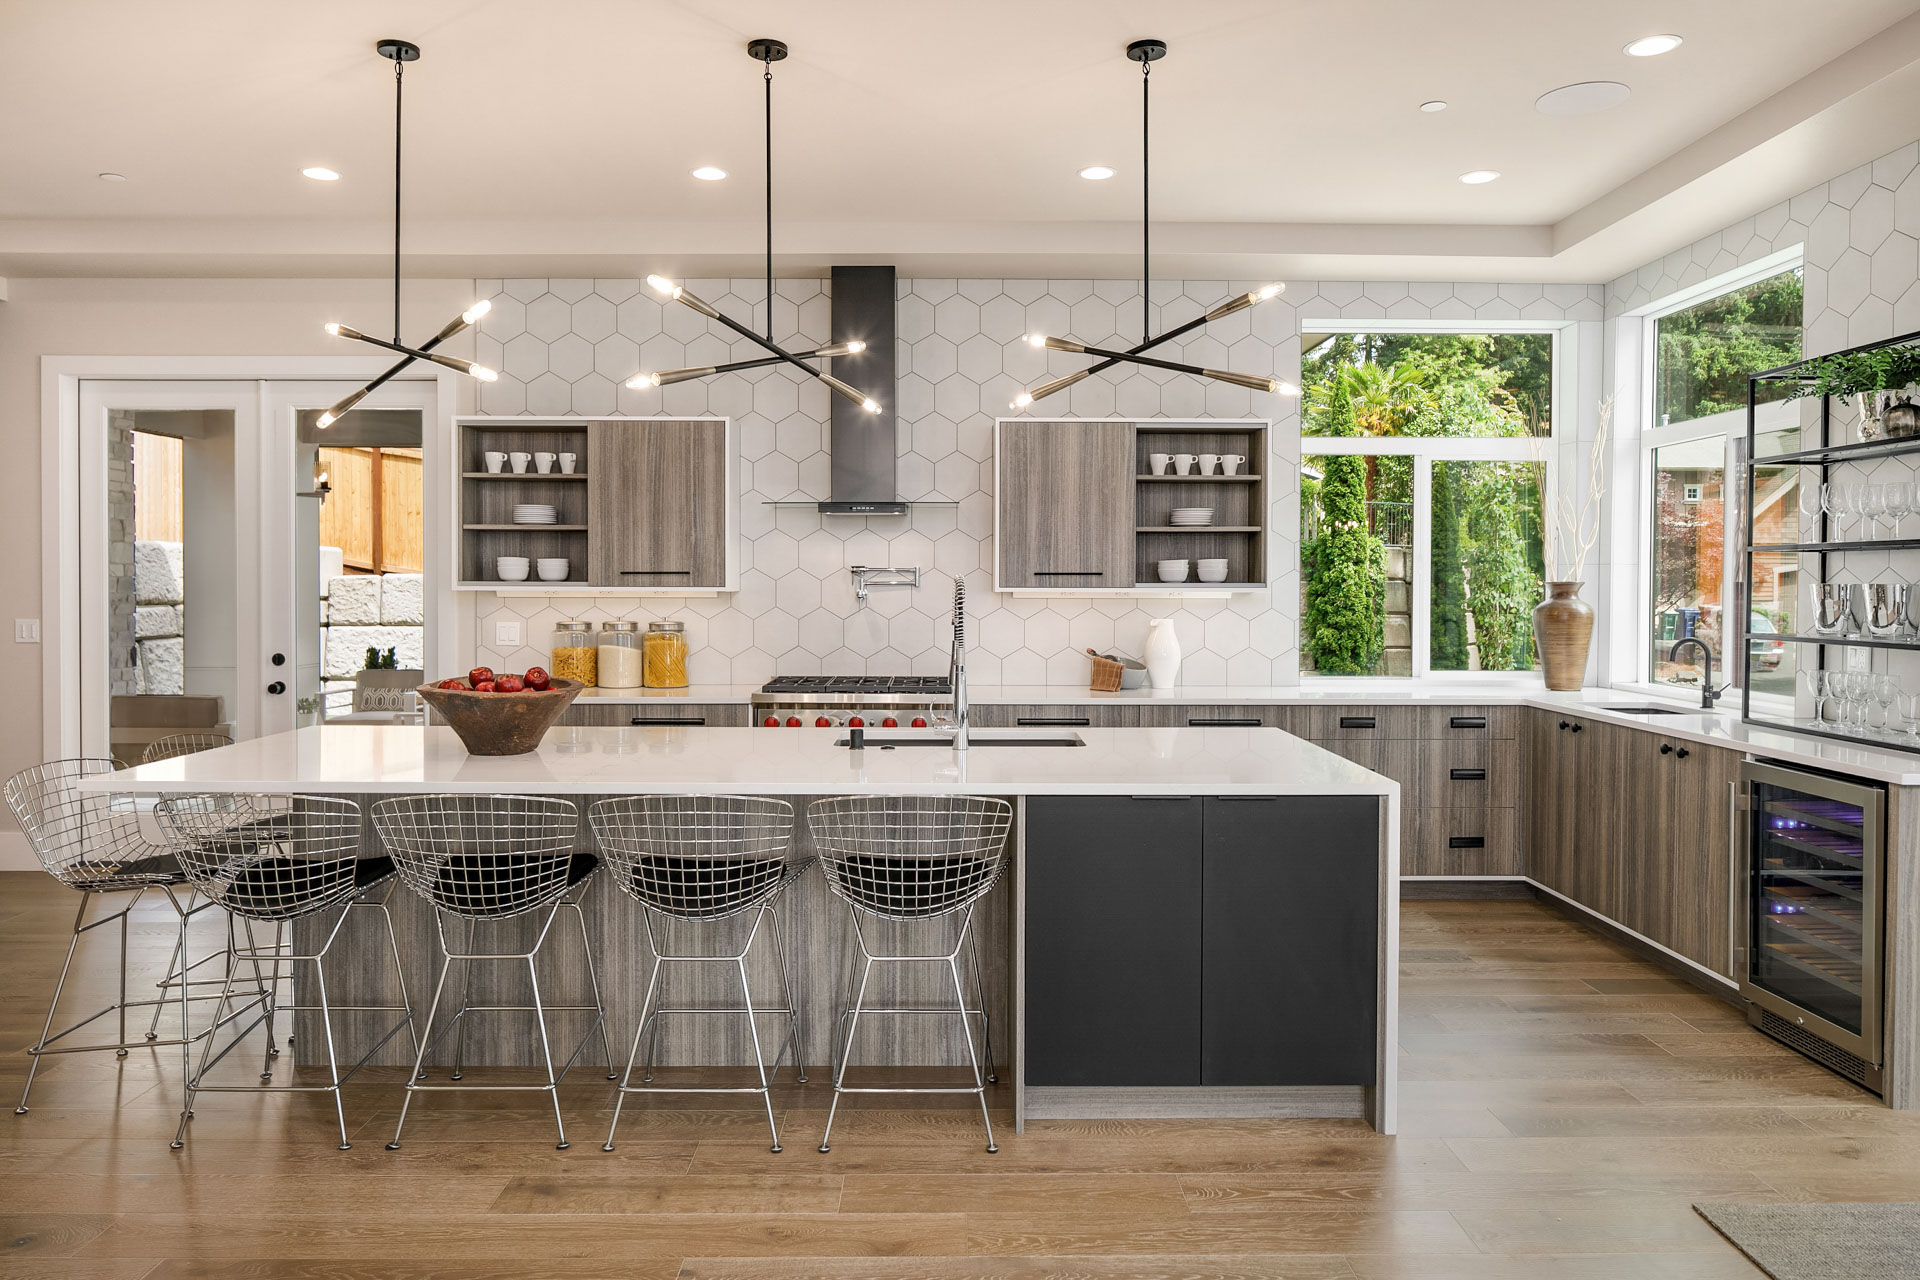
[1069, 573]
[1159, 797]
[1578, 727]
[671, 720]
[1223, 722]
[1467, 775]
[1466, 842]
[1565, 725]
[1070, 721]
[1358, 722]
[1467, 722]
[277, 687]
[1245, 798]
[683, 573]
[1682, 753]
[1666, 748]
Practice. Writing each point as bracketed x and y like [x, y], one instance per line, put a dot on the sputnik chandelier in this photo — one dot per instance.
[766, 52]
[401, 52]
[1146, 53]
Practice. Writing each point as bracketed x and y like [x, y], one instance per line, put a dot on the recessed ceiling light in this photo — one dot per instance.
[1582, 99]
[1652, 46]
[1479, 176]
[707, 173]
[320, 173]
[1435, 105]
[113, 177]
[1096, 173]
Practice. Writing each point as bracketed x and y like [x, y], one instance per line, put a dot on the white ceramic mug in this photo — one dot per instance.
[1159, 462]
[1183, 464]
[495, 461]
[543, 462]
[566, 463]
[1208, 461]
[1230, 463]
[519, 461]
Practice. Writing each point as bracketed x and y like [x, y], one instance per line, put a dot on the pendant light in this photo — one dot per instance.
[765, 52]
[1146, 53]
[401, 52]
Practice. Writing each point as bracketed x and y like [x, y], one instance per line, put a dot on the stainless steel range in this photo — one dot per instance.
[872, 702]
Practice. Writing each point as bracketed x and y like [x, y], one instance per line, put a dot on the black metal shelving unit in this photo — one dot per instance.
[1826, 456]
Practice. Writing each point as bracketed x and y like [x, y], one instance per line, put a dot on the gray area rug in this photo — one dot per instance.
[1823, 1241]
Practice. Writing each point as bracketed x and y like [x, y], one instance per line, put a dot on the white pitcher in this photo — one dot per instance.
[1162, 654]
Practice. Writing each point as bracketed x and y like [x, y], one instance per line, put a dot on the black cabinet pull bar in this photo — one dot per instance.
[1468, 722]
[1223, 722]
[1080, 721]
[1357, 722]
[683, 573]
[1466, 842]
[1467, 775]
[671, 720]
[1069, 573]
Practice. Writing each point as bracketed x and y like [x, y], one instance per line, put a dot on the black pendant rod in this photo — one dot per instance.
[769, 148]
[399, 77]
[1146, 191]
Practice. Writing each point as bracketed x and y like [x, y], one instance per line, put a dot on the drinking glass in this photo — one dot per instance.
[1872, 499]
[1819, 694]
[1886, 692]
[1899, 503]
[1809, 488]
[1910, 713]
[1833, 501]
[1886, 609]
[1832, 608]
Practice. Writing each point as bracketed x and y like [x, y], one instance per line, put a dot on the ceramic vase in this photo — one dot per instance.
[1162, 654]
[1562, 630]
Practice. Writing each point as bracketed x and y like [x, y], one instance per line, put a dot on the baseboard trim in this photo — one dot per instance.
[1072, 1102]
[1672, 961]
[1457, 888]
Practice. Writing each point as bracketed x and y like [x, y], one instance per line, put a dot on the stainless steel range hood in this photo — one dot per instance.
[861, 444]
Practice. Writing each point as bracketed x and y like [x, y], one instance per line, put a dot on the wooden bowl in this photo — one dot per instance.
[501, 724]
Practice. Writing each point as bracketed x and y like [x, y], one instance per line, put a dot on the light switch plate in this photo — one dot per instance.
[506, 634]
[26, 631]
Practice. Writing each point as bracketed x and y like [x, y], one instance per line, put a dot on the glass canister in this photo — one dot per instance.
[575, 656]
[666, 655]
[619, 655]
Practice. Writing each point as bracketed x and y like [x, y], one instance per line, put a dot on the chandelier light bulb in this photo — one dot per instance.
[477, 310]
[320, 173]
[1267, 292]
[325, 420]
[664, 285]
[1037, 340]
[871, 406]
[483, 373]
[855, 347]
[643, 382]
[1022, 400]
[333, 330]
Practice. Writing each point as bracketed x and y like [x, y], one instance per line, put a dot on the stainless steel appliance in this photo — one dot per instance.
[1812, 942]
[871, 702]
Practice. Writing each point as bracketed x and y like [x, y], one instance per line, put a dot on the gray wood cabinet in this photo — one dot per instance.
[1138, 715]
[657, 507]
[659, 713]
[1065, 505]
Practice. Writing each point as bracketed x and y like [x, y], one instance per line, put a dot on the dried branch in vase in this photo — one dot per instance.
[1571, 528]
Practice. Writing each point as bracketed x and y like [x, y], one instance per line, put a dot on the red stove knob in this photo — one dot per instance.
[821, 722]
[771, 722]
[793, 722]
[889, 723]
[855, 722]
[919, 722]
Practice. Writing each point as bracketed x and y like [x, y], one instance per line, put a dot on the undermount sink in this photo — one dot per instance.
[1647, 711]
[1071, 740]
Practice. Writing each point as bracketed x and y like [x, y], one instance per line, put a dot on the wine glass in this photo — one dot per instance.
[1886, 692]
[1819, 693]
[1899, 503]
[1910, 713]
[1833, 501]
[1872, 500]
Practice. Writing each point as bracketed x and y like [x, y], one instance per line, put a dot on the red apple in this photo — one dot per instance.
[509, 684]
[478, 675]
[451, 684]
[537, 678]
[486, 686]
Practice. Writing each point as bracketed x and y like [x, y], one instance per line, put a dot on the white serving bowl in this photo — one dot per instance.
[1172, 570]
[1213, 570]
[511, 568]
[556, 570]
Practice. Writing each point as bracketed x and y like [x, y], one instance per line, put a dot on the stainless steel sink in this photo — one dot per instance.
[1647, 711]
[977, 740]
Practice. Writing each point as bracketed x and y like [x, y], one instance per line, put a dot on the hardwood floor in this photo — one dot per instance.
[1564, 1105]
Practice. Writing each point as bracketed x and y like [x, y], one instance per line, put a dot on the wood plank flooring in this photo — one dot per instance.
[1563, 1105]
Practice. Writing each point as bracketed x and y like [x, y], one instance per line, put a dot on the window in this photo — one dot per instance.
[1420, 503]
[1701, 355]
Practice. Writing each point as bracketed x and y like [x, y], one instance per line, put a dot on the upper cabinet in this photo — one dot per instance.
[1099, 507]
[647, 506]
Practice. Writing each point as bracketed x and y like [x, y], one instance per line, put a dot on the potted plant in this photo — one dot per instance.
[1563, 622]
[1880, 381]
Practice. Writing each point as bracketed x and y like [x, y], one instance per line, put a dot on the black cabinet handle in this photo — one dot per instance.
[1565, 725]
[1467, 722]
[1159, 797]
[1666, 748]
[1245, 798]
[1223, 722]
[1578, 727]
[1466, 842]
[671, 720]
[1467, 775]
[1069, 573]
[1072, 721]
[1358, 722]
[681, 573]
[1683, 753]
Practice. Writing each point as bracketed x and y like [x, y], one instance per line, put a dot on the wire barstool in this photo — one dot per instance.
[698, 864]
[183, 744]
[92, 842]
[271, 859]
[911, 859]
[483, 859]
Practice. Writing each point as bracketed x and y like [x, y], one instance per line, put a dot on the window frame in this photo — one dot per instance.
[1729, 423]
[1425, 451]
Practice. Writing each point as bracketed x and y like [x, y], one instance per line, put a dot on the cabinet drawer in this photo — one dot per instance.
[1463, 842]
[1396, 758]
[1457, 723]
[1471, 774]
[1345, 724]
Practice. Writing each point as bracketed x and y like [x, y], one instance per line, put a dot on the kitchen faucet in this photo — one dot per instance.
[957, 664]
[1707, 692]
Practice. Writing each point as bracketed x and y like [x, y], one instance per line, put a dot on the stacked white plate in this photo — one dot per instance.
[1191, 516]
[535, 513]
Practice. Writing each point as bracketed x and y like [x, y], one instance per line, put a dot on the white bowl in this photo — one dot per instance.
[556, 570]
[1172, 570]
[1213, 571]
[511, 568]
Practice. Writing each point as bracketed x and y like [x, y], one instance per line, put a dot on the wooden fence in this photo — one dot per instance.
[157, 488]
[374, 513]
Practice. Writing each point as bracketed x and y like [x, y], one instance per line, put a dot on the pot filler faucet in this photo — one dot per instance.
[1708, 694]
[957, 665]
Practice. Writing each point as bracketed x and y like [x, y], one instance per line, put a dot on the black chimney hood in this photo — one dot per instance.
[861, 444]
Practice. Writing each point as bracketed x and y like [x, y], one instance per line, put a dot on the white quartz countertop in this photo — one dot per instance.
[595, 760]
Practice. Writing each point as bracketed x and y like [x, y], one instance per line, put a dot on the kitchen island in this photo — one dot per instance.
[1196, 921]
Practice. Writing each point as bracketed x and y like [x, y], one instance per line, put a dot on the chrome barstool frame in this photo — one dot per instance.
[107, 823]
[631, 833]
[982, 826]
[205, 840]
[411, 829]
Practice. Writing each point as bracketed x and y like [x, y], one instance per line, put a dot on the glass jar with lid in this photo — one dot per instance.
[666, 655]
[574, 654]
[620, 655]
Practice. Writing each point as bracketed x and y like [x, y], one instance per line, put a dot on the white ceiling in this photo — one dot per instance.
[556, 138]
